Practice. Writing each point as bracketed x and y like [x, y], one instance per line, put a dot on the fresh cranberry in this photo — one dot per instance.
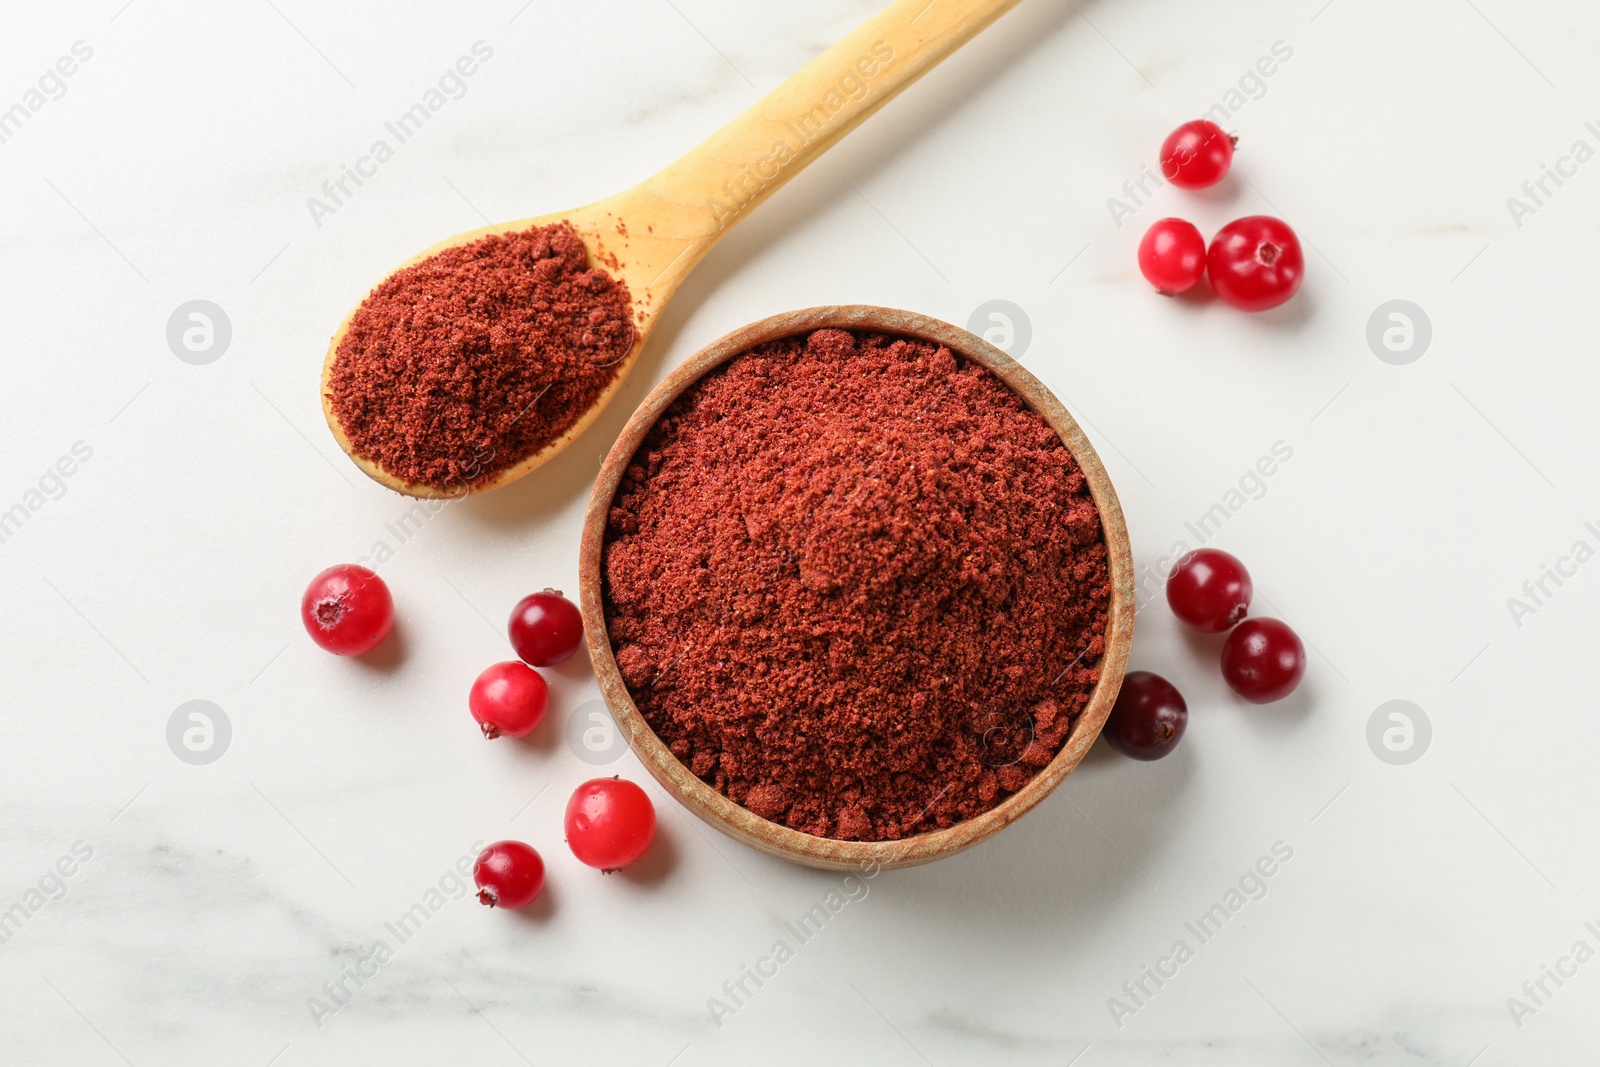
[1263, 660]
[1255, 263]
[609, 823]
[1172, 256]
[508, 874]
[546, 628]
[1148, 718]
[1197, 154]
[347, 610]
[509, 698]
[1209, 590]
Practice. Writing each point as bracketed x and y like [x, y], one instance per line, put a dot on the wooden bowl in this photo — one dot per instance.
[740, 823]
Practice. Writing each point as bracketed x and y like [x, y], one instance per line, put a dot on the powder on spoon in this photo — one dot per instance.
[857, 585]
[470, 361]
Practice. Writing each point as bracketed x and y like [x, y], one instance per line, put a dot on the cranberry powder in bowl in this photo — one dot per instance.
[856, 585]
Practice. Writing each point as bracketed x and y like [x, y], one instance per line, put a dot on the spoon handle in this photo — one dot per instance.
[697, 198]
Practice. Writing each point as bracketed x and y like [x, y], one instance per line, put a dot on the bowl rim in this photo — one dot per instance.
[739, 822]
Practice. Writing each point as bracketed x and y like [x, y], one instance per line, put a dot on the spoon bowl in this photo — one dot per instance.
[651, 267]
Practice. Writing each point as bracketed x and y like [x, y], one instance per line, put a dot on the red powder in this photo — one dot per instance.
[856, 585]
[474, 359]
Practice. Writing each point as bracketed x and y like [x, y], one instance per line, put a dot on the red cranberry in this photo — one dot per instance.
[1255, 263]
[1209, 590]
[1263, 660]
[609, 823]
[1148, 719]
[1172, 256]
[347, 610]
[546, 628]
[508, 874]
[509, 698]
[1197, 154]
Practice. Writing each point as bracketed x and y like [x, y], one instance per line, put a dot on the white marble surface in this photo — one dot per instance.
[216, 900]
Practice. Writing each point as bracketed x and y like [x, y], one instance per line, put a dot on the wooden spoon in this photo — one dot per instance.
[657, 231]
